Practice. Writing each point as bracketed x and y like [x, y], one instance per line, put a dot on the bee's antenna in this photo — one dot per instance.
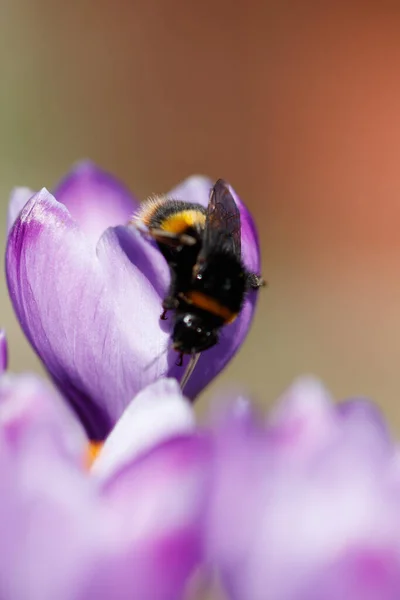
[189, 369]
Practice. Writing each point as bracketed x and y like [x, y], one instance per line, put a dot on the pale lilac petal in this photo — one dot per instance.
[3, 351]
[50, 530]
[162, 499]
[364, 430]
[138, 537]
[240, 461]
[47, 515]
[362, 574]
[28, 404]
[302, 421]
[18, 198]
[95, 198]
[294, 501]
[364, 415]
[157, 413]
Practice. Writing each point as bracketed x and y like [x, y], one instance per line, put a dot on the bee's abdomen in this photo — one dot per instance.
[219, 286]
[210, 305]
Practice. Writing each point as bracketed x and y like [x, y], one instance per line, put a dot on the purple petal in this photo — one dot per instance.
[95, 199]
[93, 318]
[3, 351]
[19, 197]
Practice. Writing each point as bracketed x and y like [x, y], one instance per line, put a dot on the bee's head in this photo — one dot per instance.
[191, 335]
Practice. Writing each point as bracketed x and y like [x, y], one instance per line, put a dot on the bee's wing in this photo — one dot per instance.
[222, 229]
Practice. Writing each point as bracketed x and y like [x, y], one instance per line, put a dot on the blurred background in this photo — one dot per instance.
[296, 104]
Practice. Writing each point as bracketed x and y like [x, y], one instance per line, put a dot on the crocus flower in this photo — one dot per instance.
[307, 505]
[128, 530]
[87, 290]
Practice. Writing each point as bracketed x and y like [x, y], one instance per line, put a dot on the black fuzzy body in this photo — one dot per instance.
[208, 279]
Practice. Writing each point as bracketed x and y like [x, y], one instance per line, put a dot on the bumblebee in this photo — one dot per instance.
[202, 247]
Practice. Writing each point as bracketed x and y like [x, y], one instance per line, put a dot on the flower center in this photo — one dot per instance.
[92, 452]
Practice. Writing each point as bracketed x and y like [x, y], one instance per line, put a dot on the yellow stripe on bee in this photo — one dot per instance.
[179, 222]
[211, 305]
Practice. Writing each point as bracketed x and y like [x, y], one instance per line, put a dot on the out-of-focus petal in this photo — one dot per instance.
[362, 574]
[365, 434]
[28, 405]
[157, 413]
[95, 198]
[3, 351]
[49, 526]
[137, 536]
[301, 421]
[293, 502]
[18, 198]
[176, 476]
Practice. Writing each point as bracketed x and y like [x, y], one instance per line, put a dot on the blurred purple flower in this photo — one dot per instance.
[303, 507]
[3, 351]
[132, 530]
[87, 290]
[307, 506]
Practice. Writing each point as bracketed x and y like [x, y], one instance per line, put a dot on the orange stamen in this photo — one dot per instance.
[92, 452]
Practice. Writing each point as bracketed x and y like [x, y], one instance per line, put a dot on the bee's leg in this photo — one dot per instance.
[169, 303]
[253, 281]
[166, 238]
[179, 360]
[171, 239]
